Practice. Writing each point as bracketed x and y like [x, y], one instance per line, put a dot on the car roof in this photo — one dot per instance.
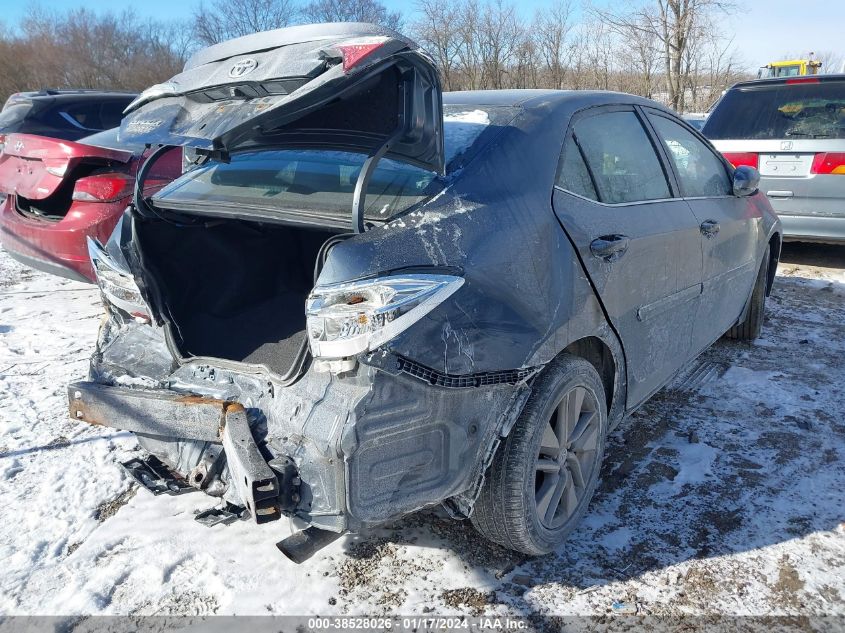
[528, 98]
[775, 81]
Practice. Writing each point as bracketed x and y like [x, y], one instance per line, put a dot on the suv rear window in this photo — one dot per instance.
[801, 110]
[324, 181]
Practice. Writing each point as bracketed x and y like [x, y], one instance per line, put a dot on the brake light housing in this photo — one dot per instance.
[748, 159]
[354, 51]
[102, 188]
[828, 163]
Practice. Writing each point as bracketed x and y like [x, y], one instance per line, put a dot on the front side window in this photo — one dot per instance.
[621, 158]
[700, 172]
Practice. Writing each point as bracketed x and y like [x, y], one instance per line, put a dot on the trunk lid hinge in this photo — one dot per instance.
[364, 176]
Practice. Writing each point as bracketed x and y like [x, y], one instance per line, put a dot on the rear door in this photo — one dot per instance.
[346, 87]
[639, 242]
[730, 227]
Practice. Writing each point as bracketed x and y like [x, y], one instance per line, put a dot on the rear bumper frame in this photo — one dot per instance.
[174, 415]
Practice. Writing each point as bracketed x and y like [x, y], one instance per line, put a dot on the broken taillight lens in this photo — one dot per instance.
[354, 51]
[117, 285]
[350, 318]
[828, 163]
[749, 159]
[102, 188]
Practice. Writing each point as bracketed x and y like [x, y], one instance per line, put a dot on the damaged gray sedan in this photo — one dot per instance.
[365, 297]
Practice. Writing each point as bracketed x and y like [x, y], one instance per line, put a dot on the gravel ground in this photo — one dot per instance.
[722, 495]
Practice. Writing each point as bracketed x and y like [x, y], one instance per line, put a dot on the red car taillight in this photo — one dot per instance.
[102, 188]
[749, 159]
[828, 163]
[2, 141]
[354, 51]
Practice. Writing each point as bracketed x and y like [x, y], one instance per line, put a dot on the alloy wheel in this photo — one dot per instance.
[567, 457]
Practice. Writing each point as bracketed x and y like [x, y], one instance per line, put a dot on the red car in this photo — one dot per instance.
[60, 192]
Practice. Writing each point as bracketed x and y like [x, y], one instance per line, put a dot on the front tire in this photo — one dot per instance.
[546, 471]
[752, 326]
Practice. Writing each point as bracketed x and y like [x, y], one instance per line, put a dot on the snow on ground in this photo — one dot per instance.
[722, 495]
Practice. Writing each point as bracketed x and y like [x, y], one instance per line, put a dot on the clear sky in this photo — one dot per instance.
[763, 30]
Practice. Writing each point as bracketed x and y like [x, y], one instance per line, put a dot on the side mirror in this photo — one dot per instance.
[746, 181]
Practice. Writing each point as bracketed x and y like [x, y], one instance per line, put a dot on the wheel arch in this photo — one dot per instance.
[775, 243]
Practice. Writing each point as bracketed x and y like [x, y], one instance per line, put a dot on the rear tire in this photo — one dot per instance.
[545, 472]
[751, 328]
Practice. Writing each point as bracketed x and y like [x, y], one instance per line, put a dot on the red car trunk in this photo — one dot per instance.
[60, 192]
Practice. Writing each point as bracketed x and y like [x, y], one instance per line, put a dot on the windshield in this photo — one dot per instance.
[108, 139]
[801, 110]
[324, 181]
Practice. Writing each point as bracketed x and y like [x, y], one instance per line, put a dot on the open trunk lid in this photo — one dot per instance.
[347, 87]
[36, 166]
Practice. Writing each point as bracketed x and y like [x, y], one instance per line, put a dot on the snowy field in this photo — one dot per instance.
[725, 494]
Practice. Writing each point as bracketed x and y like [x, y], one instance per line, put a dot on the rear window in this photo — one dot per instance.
[324, 181]
[86, 115]
[802, 110]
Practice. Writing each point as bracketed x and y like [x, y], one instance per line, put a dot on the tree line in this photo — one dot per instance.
[668, 50]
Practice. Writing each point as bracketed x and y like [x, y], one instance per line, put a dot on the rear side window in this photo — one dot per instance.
[573, 174]
[700, 172]
[621, 158]
[14, 114]
[781, 111]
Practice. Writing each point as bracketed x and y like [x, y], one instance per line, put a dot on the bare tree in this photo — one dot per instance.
[352, 11]
[83, 49]
[675, 24]
[437, 31]
[551, 29]
[225, 19]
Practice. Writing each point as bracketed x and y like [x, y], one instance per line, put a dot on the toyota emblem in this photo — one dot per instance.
[243, 67]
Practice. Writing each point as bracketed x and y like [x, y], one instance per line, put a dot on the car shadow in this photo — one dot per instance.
[741, 452]
[823, 255]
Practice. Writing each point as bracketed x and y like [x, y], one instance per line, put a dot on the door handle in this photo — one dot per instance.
[709, 228]
[609, 247]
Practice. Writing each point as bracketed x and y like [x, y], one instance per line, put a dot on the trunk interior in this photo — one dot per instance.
[235, 290]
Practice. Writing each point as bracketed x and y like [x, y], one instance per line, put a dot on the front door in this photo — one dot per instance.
[638, 241]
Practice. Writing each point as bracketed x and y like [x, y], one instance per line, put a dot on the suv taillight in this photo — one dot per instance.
[737, 159]
[102, 188]
[828, 163]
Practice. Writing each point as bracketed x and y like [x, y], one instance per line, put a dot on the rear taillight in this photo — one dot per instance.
[828, 163]
[2, 141]
[102, 188]
[354, 51]
[803, 80]
[738, 159]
